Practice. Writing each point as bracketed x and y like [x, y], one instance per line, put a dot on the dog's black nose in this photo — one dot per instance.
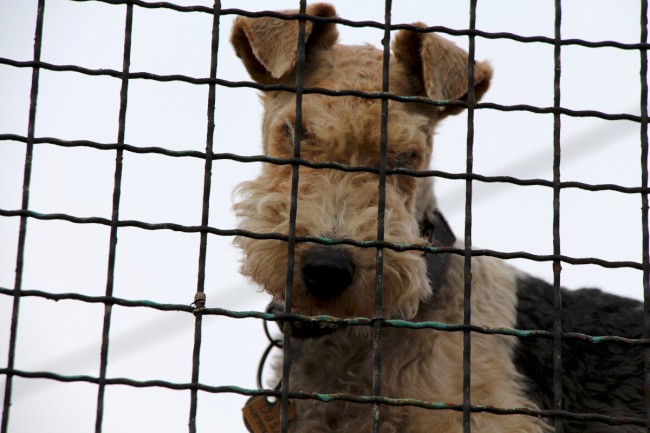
[327, 271]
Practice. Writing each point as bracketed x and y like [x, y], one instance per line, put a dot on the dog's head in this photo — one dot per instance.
[332, 204]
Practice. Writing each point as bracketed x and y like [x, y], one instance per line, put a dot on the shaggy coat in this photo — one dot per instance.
[597, 378]
[339, 280]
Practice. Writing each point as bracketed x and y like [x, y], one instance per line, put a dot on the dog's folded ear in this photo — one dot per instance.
[268, 46]
[440, 67]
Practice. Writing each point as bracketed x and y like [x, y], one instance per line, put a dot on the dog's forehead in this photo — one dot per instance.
[351, 118]
[355, 67]
[346, 118]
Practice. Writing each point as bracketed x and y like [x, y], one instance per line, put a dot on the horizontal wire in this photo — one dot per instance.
[326, 398]
[325, 319]
[316, 90]
[324, 241]
[325, 165]
[378, 25]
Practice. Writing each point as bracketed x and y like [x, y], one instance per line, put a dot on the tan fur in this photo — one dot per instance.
[421, 364]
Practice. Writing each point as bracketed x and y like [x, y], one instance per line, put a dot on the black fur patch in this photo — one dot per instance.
[604, 378]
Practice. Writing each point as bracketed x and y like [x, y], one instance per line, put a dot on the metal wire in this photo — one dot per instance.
[22, 231]
[467, 262]
[557, 267]
[325, 398]
[310, 90]
[381, 213]
[377, 323]
[332, 165]
[645, 242]
[205, 217]
[327, 241]
[377, 25]
[115, 216]
[293, 215]
[329, 320]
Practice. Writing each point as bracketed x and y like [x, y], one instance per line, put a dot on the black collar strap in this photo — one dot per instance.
[438, 232]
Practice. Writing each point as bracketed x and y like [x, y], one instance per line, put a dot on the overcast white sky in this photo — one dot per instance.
[65, 337]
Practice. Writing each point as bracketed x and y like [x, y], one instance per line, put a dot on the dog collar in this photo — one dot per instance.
[439, 234]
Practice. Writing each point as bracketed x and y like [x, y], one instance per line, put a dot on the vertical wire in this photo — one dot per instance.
[22, 230]
[557, 267]
[381, 208]
[467, 270]
[293, 212]
[644, 197]
[117, 191]
[199, 300]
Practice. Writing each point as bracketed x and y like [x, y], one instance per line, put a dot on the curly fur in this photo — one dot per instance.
[421, 364]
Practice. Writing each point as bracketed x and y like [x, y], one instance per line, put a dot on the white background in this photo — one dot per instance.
[64, 337]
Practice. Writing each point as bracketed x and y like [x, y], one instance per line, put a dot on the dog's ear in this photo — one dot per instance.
[268, 46]
[440, 67]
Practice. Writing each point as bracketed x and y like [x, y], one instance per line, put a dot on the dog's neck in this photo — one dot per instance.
[426, 204]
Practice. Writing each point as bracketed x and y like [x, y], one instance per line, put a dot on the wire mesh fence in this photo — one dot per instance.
[27, 220]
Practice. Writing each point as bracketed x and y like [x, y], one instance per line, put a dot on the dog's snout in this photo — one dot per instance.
[327, 271]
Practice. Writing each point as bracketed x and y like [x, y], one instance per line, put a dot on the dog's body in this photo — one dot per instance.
[339, 280]
[597, 378]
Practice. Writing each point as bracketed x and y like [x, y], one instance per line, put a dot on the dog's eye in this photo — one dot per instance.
[406, 159]
[287, 131]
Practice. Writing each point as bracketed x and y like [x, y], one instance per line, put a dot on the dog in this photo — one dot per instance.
[339, 280]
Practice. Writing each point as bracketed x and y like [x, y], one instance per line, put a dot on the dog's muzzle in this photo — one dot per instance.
[327, 271]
